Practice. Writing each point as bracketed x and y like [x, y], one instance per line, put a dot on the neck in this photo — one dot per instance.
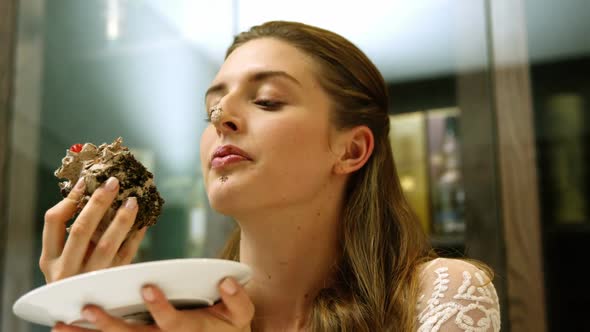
[292, 253]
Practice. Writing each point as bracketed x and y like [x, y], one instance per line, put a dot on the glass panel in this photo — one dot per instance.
[560, 63]
[91, 71]
[135, 71]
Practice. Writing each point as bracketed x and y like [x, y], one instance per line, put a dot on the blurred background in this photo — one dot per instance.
[489, 114]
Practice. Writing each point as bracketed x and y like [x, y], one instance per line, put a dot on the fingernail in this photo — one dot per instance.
[112, 184]
[131, 203]
[89, 315]
[80, 184]
[229, 286]
[148, 294]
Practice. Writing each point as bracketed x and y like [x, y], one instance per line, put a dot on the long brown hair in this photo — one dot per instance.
[383, 244]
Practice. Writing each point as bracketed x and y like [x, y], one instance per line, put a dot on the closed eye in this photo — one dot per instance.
[268, 104]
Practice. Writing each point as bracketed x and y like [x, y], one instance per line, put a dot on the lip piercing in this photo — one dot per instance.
[223, 179]
[216, 113]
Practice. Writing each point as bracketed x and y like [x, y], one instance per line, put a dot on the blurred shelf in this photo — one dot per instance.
[565, 229]
[447, 241]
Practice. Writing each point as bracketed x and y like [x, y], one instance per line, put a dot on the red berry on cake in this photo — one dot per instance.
[76, 148]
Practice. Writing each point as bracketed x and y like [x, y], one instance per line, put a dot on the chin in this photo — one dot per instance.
[225, 198]
[227, 207]
[222, 206]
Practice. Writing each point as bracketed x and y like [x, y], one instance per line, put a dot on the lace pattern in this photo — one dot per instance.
[462, 298]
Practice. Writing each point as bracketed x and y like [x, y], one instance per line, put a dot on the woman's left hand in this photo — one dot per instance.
[234, 313]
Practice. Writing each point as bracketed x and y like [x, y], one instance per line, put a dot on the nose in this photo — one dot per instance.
[224, 119]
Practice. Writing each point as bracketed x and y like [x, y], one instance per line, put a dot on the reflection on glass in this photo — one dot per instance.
[559, 54]
[113, 17]
[408, 141]
[426, 146]
[565, 150]
[448, 194]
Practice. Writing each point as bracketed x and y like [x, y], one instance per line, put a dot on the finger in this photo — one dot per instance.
[89, 251]
[165, 315]
[237, 307]
[54, 231]
[110, 242]
[105, 322]
[87, 221]
[129, 248]
[61, 327]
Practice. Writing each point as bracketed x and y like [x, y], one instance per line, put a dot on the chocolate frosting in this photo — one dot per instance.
[96, 164]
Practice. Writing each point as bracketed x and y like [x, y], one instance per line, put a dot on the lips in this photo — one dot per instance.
[226, 155]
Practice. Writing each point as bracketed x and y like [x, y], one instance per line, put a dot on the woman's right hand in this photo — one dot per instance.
[61, 259]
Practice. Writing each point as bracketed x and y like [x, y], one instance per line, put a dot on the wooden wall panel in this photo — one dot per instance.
[7, 49]
[21, 185]
[484, 238]
[517, 165]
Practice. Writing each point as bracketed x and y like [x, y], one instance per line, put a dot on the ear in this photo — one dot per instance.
[356, 146]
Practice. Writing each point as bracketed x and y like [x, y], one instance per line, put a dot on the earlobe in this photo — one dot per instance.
[359, 144]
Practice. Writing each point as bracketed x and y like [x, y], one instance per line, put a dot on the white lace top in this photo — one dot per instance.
[456, 296]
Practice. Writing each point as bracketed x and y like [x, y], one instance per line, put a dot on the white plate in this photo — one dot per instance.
[187, 283]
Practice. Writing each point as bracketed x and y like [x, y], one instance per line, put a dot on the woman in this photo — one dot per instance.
[298, 153]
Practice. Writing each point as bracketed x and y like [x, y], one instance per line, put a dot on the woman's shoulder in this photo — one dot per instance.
[457, 295]
[453, 265]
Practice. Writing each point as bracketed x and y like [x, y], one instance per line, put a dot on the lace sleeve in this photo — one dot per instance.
[456, 296]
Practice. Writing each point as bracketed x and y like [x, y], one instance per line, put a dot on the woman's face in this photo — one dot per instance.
[276, 113]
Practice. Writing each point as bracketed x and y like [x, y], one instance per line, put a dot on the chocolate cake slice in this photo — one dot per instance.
[96, 165]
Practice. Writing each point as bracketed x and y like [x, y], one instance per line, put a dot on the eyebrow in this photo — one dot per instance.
[255, 77]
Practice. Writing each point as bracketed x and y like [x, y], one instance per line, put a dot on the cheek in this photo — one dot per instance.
[207, 140]
[298, 149]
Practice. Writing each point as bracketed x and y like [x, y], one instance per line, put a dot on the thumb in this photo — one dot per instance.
[236, 307]
[163, 312]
